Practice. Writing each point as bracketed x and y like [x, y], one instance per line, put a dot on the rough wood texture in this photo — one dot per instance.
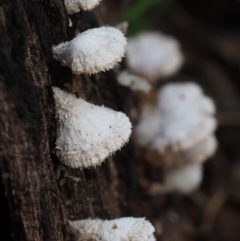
[41, 193]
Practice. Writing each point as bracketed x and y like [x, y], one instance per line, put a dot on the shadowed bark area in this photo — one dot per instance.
[40, 193]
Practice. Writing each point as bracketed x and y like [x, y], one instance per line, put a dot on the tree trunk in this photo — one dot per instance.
[38, 194]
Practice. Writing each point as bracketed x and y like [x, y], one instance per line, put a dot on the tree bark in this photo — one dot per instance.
[38, 194]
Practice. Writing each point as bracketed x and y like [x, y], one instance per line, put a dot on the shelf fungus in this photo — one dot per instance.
[92, 51]
[154, 55]
[74, 6]
[122, 229]
[134, 82]
[87, 133]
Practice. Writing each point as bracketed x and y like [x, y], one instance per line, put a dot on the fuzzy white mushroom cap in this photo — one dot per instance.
[87, 133]
[184, 179]
[154, 55]
[92, 51]
[134, 82]
[122, 229]
[182, 117]
[74, 6]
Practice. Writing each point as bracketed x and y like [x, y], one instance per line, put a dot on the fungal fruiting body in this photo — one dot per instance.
[154, 55]
[74, 6]
[196, 154]
[178, 135]
[70, 24]
[123, 27]
[199, 153]
[182, 117]
[134, 82]
[122, 229]
[87, 133]
[184, 179]
[92, 51]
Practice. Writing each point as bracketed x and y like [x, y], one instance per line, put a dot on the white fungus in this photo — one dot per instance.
[154, 55]
[70, 24]
[184, 179]
[123, 27]
[92, 51]
[74, 6]
[182, 118]
[122, 229]
[87, 133]
[199, 153]
[178, 133]
[134, 82]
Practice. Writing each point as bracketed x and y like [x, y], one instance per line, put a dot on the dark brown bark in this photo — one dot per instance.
[43, 194]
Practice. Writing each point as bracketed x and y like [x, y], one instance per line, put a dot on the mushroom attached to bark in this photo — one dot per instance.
[87, 133]
[74, 6]
[92, 51]
[122, 229]
[154, 55]
[134, 82]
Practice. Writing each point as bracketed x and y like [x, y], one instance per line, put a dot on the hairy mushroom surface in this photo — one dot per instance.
[87, 133]
[92, 51]
[122, 229]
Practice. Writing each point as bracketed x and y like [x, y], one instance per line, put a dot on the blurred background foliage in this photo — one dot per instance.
[143, 14]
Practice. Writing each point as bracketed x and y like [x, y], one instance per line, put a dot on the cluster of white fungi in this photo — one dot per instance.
[178, 129]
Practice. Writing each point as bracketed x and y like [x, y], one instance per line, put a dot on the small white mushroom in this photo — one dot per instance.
[74, 6]
[185, 179]
[182, 118]
[134, 82]
[123, 27]
[87, 133]
[70, 24]
[92, 51]
[182, 170]
[154, 55]
[122, 229]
